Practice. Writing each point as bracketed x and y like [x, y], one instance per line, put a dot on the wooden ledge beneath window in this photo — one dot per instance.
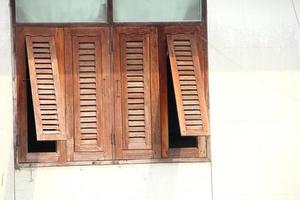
[110, 162]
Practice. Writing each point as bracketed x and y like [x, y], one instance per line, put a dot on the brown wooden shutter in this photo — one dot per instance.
[92, 94]
[188, 84]
[136, 62]
[46, 88]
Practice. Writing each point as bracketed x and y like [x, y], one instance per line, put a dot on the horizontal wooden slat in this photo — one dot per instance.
[88, 142]
[87, 57]
[88, 131]
[87, 108]
[134, 44]
[182, 43]
[87, 63]
[88, 136]
[40, 45]
[41, 50]
[42, 55]
[134, 50]
[47, 116]
[86, 46]
[183, 53]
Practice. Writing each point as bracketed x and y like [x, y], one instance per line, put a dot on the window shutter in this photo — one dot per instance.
[47, 94]
[91, 83]
[136, 63]
[188, 84]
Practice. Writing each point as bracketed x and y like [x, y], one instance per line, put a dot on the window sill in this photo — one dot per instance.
[116, 162]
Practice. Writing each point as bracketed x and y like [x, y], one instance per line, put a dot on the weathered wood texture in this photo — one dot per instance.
[91, 85]
[197, 30]
[21, 80]
[137, 92]
[47, 95]
[114, 97]
[188, 84]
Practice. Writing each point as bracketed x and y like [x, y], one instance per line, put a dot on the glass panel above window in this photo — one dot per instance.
[60, 11]
[156, 10]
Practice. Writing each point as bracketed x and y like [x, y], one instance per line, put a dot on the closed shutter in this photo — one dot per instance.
[87, 57]
[188, 84]
[91, 82]
[136, 65]
[47, 94]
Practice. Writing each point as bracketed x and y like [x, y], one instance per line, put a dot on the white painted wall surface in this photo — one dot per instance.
[254, 59]
[6, 106]
[127, 182]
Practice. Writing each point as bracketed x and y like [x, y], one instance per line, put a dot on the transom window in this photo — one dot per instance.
[98, 11]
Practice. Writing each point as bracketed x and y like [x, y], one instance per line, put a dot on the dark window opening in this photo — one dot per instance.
[35, 146]
[175, 138]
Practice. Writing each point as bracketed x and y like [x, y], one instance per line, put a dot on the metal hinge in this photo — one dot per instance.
[113, 139]
[111, 46]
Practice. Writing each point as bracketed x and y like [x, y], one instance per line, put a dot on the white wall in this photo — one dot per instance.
[254, 59]
[126, 182]
[6, 113]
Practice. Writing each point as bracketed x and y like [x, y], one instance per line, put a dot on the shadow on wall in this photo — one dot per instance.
[6, 169]
[9, 181]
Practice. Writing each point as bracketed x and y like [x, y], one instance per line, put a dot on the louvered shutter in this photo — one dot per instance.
[134, 58]
[188, 84]
[47, 94]
[92, 121]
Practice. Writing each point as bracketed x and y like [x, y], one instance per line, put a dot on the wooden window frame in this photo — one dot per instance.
[21, 106]
[62, 156]
[202, 150]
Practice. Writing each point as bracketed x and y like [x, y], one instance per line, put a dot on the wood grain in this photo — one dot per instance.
[188, 84]
[91, 85]
[47, 94]
[137, 92]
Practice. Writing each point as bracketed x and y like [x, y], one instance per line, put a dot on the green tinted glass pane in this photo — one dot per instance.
[156, 10]
[60, 11]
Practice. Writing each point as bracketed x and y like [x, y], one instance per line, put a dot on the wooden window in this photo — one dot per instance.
[111, 93]
[122, 87]
[32, 118]
[182, 59]
[137, 86]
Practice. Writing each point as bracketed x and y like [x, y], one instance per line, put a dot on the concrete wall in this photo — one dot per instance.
[126, 182]
[255, 99]
[254, 63]
[6, 106]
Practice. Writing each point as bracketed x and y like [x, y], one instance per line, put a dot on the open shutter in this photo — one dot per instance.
[135, 63]
[188, 84]
[47, 94]
[91, 83]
